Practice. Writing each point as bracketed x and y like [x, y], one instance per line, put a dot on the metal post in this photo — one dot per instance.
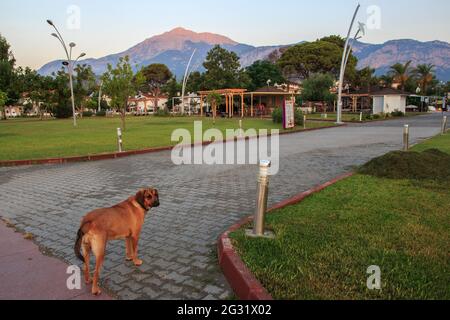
[406, 138]
[261, 204]
[444, 124]
[240, 128]
[119, 139]
[304, 122]
[361, 117]
[342, 71]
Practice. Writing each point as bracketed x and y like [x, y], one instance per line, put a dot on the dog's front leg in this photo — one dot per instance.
[129, 248]
[137, 262]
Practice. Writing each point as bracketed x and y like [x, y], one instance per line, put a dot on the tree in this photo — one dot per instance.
[425, 75]
[321, 56]
[401, 73]
[156, 77]
[84, 84]
[61, 95]
[317, 88]
[386, 81]
[3, 99]
[172, 88]
[223, 70]
[365, 78]
[196, 82]
[120, 83]
[262, 71]
[7, 63]
[214, 99]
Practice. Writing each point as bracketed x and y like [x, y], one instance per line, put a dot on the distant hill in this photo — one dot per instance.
[175, 47]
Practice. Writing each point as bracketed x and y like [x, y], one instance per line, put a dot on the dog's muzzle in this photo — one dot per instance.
[156, 204]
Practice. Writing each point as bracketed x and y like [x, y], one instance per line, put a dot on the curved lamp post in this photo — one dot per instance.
[185, 79]
[345, 57]
[69, 64]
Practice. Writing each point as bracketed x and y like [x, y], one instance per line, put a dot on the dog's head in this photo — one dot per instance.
[148, 198]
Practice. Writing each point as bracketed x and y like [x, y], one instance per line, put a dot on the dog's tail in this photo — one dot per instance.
[77, 248]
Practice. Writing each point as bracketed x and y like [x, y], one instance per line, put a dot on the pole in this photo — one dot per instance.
[406, 138]
[185, 79]
[342, 73]
[304, 122]
[100, 97]
[360, 117]
[119, 139]
[444, 124]
[71, 92]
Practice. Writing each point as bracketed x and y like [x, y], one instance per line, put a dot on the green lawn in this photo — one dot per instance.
[325, 244]
[352, 116]
[35, 139]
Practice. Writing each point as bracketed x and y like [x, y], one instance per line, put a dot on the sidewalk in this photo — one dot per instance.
[26, 274]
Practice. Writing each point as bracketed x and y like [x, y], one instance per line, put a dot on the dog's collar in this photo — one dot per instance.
[142, 205]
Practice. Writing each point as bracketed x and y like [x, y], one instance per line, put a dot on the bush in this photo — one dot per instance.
[101, 114]
[87, 114]
[277, 116]
[63, 111]
[397, 113]
[162, 113]
[376, 117]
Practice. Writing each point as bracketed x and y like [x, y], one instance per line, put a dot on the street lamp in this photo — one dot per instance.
[69, 64]
[185, 80]
[345, 56]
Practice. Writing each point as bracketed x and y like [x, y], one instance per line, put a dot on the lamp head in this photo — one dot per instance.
[82, 55]
[362, 28]
[72, 44]
[50, 22]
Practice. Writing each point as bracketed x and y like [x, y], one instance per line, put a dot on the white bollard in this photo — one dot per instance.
[119, 139]
[304, 122]
[444, 124]
[361, 117]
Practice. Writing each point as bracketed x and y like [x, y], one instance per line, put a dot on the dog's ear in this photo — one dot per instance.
[140, 196]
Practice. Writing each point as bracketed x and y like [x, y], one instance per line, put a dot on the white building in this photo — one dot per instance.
[388, 100]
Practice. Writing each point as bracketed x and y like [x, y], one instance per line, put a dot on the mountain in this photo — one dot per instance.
[382, 56]
[175, 47]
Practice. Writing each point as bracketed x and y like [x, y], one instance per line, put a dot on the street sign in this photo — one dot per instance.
[288, 114]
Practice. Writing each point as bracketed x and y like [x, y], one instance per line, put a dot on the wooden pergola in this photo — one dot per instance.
[229, 95]
[268, 92]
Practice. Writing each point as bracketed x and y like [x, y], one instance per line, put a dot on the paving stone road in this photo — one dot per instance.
[198, 203]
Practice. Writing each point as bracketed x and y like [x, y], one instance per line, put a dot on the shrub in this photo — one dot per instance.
[162, 113]
[397, 113]
[101, 114]
[376, 117]
[63, 111]
[277, 115]
[88, 114]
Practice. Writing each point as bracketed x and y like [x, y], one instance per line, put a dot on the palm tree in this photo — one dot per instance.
[386, 81]
[425, 75]
[401, 73]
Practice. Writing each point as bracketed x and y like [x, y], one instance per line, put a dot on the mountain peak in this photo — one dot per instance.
[180, 33]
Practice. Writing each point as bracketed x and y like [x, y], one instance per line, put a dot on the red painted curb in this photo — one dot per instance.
[114, 155]
[242, 281]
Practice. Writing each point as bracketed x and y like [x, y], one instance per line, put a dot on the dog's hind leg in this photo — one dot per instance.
[98, 245]
[137, 262]
[86, 247]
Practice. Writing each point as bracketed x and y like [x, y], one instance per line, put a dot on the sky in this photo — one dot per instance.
[102, 27]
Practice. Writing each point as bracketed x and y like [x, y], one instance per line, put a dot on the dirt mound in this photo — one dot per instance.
[429, 164]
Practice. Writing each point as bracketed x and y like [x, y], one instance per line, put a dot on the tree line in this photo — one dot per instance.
[316, 64]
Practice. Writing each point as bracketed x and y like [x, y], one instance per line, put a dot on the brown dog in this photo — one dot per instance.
[123, 221]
